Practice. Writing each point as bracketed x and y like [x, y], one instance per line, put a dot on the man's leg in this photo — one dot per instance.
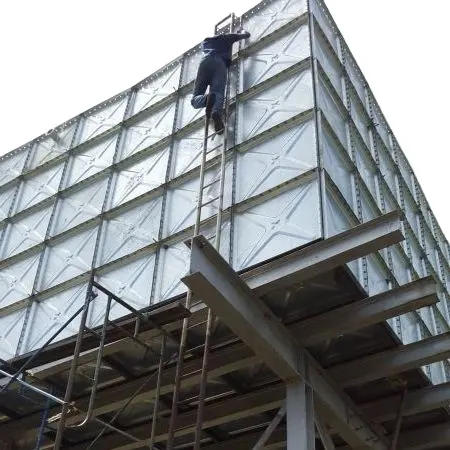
[218, 84]
[199, 97]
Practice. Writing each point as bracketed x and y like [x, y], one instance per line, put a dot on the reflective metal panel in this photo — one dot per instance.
[98, 307]
[187, 151]
[131, 181]
[276, 160]
[17, 280]
[102, 119]
[39, 187]
[10, 328]
[68, 258]
[328, 60]
[182, 200]
[51, 147]
[400, 266]
[365, 164]
[276, 56]
[130, 231]
[91, 160]
[360, 118]
[158, 88]
[148, 130]
[11, 166]
[6, 198]
[325, 23]
[355, 76]
[405, 169]
[273, 16]
[26, 232]
[337, 165]
[387, 167]
[48, 315]
[277, 225]
[79, 206]
[378, 276]
[173, 265]
[276, 104]
[332, 111]
[186, 113]
[132, 282]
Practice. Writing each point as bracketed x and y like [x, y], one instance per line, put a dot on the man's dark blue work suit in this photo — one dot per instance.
[212, 71]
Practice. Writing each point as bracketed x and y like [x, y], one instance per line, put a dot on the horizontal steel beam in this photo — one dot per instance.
[326, 255]
[221, 362]
[391, 362]
[434, 436]
[216, 414]
[416, 402]
[214, 282]
[372, 310]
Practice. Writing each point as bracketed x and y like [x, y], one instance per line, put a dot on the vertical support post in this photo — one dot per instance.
[158, 391]
[72, 371]
[398, 421]
[299, 416]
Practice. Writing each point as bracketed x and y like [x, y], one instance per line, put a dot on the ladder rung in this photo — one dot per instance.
[215, 133]
[196, 348]
[211, 183]
[210, 201]
[210, 150]
[203, 322]
[190, 374]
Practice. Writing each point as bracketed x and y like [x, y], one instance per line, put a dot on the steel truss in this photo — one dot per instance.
[308, 402]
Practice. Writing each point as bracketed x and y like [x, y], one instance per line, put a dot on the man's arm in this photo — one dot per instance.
[234, 37]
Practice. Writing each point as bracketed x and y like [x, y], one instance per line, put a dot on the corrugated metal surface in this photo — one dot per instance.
[114, 189]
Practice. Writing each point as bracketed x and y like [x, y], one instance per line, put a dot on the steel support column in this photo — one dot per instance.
[216, 284]
[300, 416]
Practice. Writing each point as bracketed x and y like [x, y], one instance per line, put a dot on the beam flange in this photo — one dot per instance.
[391, 362]
[214, 282]
[369, 311]
[328, 254]
[416, 402]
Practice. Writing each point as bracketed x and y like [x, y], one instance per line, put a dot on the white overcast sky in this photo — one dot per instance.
[59, 58]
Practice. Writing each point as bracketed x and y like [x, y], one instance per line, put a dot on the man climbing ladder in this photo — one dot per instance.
[212, 72]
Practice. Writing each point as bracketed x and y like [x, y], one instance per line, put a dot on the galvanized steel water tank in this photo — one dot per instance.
[113, 191]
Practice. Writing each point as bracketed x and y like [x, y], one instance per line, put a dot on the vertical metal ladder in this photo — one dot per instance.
[201, 203]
